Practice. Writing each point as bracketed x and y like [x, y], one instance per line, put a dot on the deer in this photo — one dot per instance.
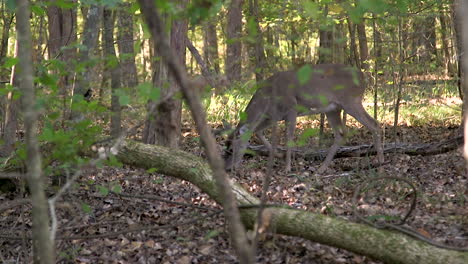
[329, 89]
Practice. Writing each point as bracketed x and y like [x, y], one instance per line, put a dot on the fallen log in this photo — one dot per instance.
[387, 246]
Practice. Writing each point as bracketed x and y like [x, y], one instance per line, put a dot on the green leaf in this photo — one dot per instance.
[10, 62]
[151, 170]
[246, 136]
[242, 116]
[86, 208]
[304, 74]
[374, 6]
[111, 3]
[148, 91]
[124, 98]
[211, 234]
[158, 180]
[306, 135]
[11, 5]
[102, 190]
[64, 4]
[38, 10]
[311, 8]
[116, 188]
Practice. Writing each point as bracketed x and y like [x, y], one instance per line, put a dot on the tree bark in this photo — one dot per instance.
[82, 89]
[234, 46]
[363, 49]
[444, 31]
[11, 114]
[260, 60]
[210, 45]
[115, 72]
[462, 17]
[43, 247]
[354, 55]
[388, 246]
[168, 118]
[125, 41]
[458, 47]
[7, 22]
[325, 56]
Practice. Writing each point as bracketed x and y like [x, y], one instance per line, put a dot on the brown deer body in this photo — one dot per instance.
[329, 89]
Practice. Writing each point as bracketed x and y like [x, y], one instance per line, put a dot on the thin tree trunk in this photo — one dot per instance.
[377, 49]
[109, 52]
[43, 247]
[234, 46]
[399, 81]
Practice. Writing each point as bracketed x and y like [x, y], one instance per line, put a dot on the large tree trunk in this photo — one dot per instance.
[43, 247]
[10, 122]
[234, 45]
[445, 31]
[363, 49]
[325, 56]
[82, 89]
[260, 60]
[125, 41]
[168, 118]
[353, 53]
[62, 25]
[210, 45]
[458, 46]
[109, 53]
[387, 246]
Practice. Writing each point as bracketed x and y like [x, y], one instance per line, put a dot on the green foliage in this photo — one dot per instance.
[304, 74]
[10, 62]
[306, 135]
[211, 234]
[103, 191]
[86, 208]
[147, 91]
[199, 10]
[11, 5]
[311, 8]
[151, 170]
[124, 97]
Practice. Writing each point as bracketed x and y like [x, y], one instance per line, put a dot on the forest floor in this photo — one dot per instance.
[173, 232]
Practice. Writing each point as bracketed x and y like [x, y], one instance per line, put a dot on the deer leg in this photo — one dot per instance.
[334, 118]
[239, 144]
[358, 112]
[264, 125]
[291, 120]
